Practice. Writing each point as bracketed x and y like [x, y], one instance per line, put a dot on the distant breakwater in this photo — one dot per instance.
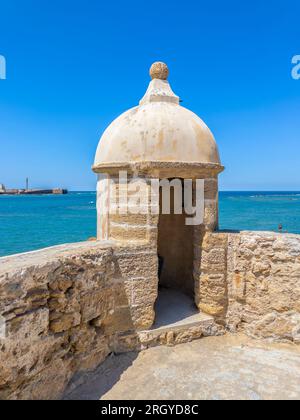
[56, 191]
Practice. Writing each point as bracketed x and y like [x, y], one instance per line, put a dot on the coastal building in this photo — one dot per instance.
[2, 188]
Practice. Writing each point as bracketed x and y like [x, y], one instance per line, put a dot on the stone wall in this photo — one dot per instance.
[66, 308]
[125, 211]
[250, 281]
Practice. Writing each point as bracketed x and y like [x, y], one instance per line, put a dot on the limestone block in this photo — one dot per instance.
[234, 315]
[124, 209]
[211, 189]
[284, 294]
[261, 268]
[176, 336]
[250, 242]
[278, 327]
[64, 284]
[30, 326]
[121, 294]
[283, 258]
[211, 215]
[93, 359]
[58, 303]
[293, 245]
[37, 297]
[65, 322]
[141, 291]
[137, 264]
[48, 384]
[82, 338]
[122, 232]
[96, 304]
[142, 316]
[118, 320]
[213, 240]
[238, 282]
[211, 308]
[134, 219]
[125, 342]
[21, 361]
[214, 260]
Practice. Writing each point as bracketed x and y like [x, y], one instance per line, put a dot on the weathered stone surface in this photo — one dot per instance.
[96, 303]
[130, 232]
[66, 309]
[211, 189]
[214, 240]
[48, 384]
[137, 264]
[20, 361]
[263, 277]
[65, 322]
[141, 291]
[277, 327]
[250, 281]
[210, 274]
[230, 367]
[214, 260]
[125, 342]
[179, 334]
[142, 316]
[211, 215]
[31, 325]
[118, 320]
[134, 219]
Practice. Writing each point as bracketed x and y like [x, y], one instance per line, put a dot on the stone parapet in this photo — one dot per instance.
[66, 308]
[250, 281]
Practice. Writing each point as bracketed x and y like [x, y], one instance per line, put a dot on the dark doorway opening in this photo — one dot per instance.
[175, 248]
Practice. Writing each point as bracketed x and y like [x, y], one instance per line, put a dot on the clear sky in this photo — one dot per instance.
[74, 66]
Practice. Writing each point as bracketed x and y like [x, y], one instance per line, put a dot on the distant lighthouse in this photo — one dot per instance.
[27, 184]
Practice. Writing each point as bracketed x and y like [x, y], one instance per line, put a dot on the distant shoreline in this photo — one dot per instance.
[55, 191]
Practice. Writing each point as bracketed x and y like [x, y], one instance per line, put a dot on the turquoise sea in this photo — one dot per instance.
[31, 222]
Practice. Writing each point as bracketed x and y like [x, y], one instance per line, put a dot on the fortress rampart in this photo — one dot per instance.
[67, 308]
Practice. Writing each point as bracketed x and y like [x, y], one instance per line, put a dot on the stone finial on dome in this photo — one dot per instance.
[159, 70]
[159, 89]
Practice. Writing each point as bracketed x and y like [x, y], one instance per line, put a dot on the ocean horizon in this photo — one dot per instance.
[28, 223]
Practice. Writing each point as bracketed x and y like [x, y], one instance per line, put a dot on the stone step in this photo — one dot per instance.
[186, 330]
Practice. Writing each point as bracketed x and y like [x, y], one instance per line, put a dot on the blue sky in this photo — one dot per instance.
[74, 66]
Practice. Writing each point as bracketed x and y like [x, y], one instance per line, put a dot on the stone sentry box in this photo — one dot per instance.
[159, 139]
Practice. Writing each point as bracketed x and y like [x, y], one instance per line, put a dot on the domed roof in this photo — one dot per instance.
[158, 130]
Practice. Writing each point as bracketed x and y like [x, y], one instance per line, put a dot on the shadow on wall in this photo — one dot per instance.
[93, 386]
